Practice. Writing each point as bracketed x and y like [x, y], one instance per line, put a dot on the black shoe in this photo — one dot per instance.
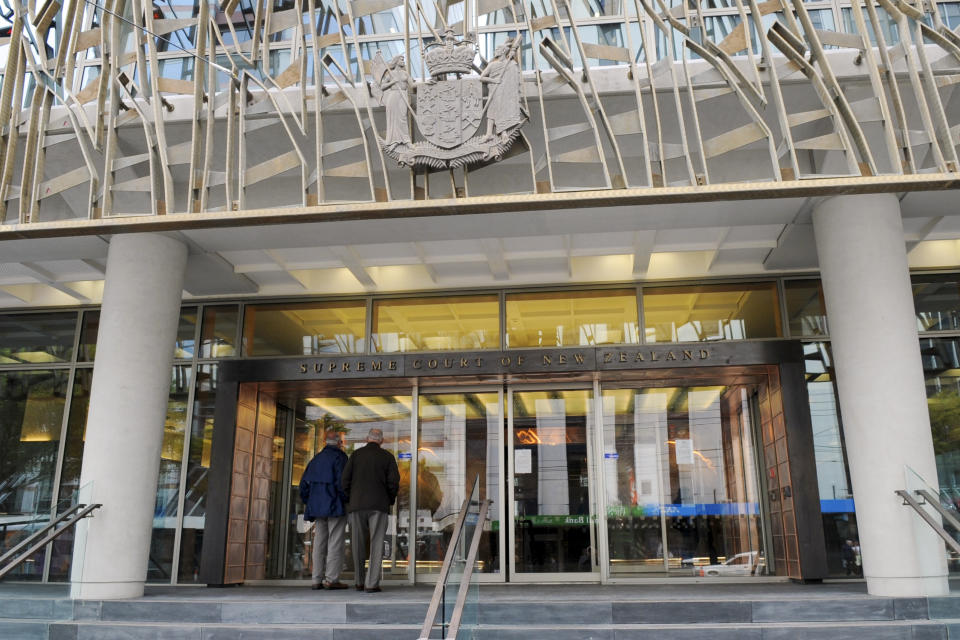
[359, 587]
[334, 585]
[374, 590]
[315, 587]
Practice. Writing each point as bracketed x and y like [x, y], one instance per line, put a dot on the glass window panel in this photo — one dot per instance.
[304, 328]
[70, 469]
[941, 368]
[822, 20]
[889, 28]
[308, 440]
[31, 417]
[950, 14]
[551, 495]
[490, 41]
[37, 338]
[436, 324]
[663, 44]
[176, 68]
[805, 308]
[88, 336]
[381, 23]
[183, 347]
[459, 440]
[219, 331]
[507, 15]
[602, 34]
[936, 299]
[572, 318]
[682, 493]
[711, 312]
[160, 563]
[836, 499]
[186, 333]
[198, 469]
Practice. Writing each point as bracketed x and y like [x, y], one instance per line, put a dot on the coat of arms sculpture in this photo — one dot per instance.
[451, 106]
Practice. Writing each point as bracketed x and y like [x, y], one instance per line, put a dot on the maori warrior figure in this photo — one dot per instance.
[394, 84]
[504, 99]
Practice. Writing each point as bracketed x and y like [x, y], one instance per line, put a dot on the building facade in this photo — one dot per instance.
[622, 265]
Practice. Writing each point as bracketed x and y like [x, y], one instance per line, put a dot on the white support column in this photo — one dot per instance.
[128, 406]
[876, 351]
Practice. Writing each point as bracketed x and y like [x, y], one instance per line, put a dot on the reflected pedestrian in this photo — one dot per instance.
[322, 493]
[371, 481]
[847, 557]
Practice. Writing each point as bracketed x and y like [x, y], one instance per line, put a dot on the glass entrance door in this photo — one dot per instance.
[459, 438]
[680, 482]
[552, 524]
[299, 435]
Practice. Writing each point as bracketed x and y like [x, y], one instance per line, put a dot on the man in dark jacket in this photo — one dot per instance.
[371, 481]
[322, 493]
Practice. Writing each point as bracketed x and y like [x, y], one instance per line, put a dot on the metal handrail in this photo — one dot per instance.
[29, 539]
[934, 501]
[929, 519]
[445, 567]
[84, 511]
[467, 572]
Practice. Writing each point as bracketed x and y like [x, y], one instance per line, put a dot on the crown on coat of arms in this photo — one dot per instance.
[451, 56]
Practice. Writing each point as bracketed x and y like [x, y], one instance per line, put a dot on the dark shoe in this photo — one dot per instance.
[316, 586]
[334, 585]
[374, 590]
[359, 587]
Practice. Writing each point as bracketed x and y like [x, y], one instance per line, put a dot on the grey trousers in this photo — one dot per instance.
[328, 538]
[370, 525]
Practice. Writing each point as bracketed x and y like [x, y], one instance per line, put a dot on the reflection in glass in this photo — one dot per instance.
[572, 318]
[711, 312]
[31, 418]
[888, 25]
[37, 338]
[436, 324]
[354, 416]
[936, 299]
[941, 368]
[836, 499]
[681, 482]
[459, 440]
[198, 470]
[311, 328]
[551, 493]
[186, 332]
[182, 348]
[88, 336]
[219, 331]
[806, 311]
[307, 442]
[70, 469]
[160, 563]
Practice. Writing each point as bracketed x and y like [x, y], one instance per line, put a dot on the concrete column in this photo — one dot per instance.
[128, 406]
[876, 351]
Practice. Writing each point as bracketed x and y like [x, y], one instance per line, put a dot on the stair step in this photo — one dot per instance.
[898, 630]
[372, 610]
[98, 630]
[25, 629]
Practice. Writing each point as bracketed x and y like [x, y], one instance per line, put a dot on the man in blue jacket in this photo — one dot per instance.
[322, 493]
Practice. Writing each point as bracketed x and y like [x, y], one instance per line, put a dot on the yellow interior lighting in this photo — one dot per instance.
[42, 416]
[35, 357]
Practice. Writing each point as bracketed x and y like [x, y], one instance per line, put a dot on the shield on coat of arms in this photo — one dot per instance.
[449, 111]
